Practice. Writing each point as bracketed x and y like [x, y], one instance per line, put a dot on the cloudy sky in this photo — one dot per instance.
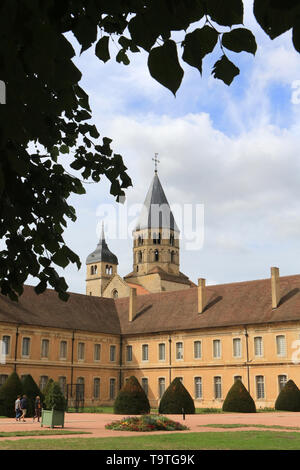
[231, 152]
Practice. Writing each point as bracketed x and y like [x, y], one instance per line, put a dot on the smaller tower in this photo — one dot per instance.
[101, 267]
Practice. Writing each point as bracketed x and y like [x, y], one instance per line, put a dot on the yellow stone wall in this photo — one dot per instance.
[270, 365]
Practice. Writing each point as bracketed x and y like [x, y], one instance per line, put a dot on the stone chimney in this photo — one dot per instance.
[275, 287]
[132, 303]
[201, 295]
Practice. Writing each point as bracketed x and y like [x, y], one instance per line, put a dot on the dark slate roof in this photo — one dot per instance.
[80, 312]
[156, 212]
[102, 253]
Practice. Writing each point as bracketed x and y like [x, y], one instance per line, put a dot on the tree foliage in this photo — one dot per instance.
[46, 123]
[131, 399]
[289, 398]
[238, 399]
[31, 390]
[176, 399]
[8, 395]
[54, 398]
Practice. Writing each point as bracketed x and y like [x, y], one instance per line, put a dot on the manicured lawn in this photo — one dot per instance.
[50, 432]
[240, 440]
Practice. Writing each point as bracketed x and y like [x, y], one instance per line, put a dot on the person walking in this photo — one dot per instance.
[37, 409]
[18, 408]
[23, 406]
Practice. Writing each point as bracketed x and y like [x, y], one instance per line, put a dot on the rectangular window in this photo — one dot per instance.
[145, 385]
[45, 348]
[81, 347]
[96, 387]
[161, 386]
[129, 353]
[198, 387]
[237, 347]
[260, 386]
[5, 345]
[63, 350]
[258, 346]
[43, 382]
[197, 350]
[26, 347]
[281, 345]
[218, 387]
[162, 352]
[3, 378]
[97, 352]
[112, 353]
[179, 351]
[217, 348]
[62, 383]
[282, 380]
[112, 388]
[145, 352]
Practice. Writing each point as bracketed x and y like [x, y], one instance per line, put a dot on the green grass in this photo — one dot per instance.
[243, 440]
[241, 425]
[50, 432]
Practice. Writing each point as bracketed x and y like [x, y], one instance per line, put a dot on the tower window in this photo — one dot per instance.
[140, 257]
[172, 239]
[140, 240]
[172, 257]
[156, 255]
[94, 269]
[154, 238]
[115, 294]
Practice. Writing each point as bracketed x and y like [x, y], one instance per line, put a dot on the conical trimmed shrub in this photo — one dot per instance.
[131, 399]
[289, 398]
[8, 395]
[31, 390]
[54, 399]
[176, 399]
[238, 399]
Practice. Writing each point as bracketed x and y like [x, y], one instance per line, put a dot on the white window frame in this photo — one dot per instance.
[198, 387]
[145, 352]
[6, 346]
[45, 348]
[63, 347]
[81, 351]
[29, 346]
[217, 351]
[162, 357]
[258, 351]
[179, 354]
[281, 345]
[217, 387]
[97, 352]
[260, 387]
[160, 379]
[198, 349]
[237, 350]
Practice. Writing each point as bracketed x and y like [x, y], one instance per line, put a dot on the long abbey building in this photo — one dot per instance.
[156, 324]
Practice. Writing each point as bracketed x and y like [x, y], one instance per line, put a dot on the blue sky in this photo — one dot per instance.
[234, 150]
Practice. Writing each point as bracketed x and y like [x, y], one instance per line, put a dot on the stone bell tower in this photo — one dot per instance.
[156, 244]
[101, 266]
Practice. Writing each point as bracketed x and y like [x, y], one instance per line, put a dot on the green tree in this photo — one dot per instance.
[176, 399]
[54, 398]
[46, 124]
[289, 398]
[238, 399]
[31, 390]
[131, 399]
[8, 395]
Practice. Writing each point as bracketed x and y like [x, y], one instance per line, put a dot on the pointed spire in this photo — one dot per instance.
[102, 252]
[156, 212]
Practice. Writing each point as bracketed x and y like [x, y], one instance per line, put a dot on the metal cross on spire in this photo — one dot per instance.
[156, 161]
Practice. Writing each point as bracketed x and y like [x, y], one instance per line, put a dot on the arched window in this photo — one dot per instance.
[156, 255]
[115, 294]
[154, 238]
[159, 238]
[172, 257]
[140, 240]
[172, 239]
[140, 257]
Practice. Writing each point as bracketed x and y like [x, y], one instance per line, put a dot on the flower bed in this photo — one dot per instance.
[146, 423]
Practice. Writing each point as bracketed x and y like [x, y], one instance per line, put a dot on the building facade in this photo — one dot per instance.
[156, 324]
